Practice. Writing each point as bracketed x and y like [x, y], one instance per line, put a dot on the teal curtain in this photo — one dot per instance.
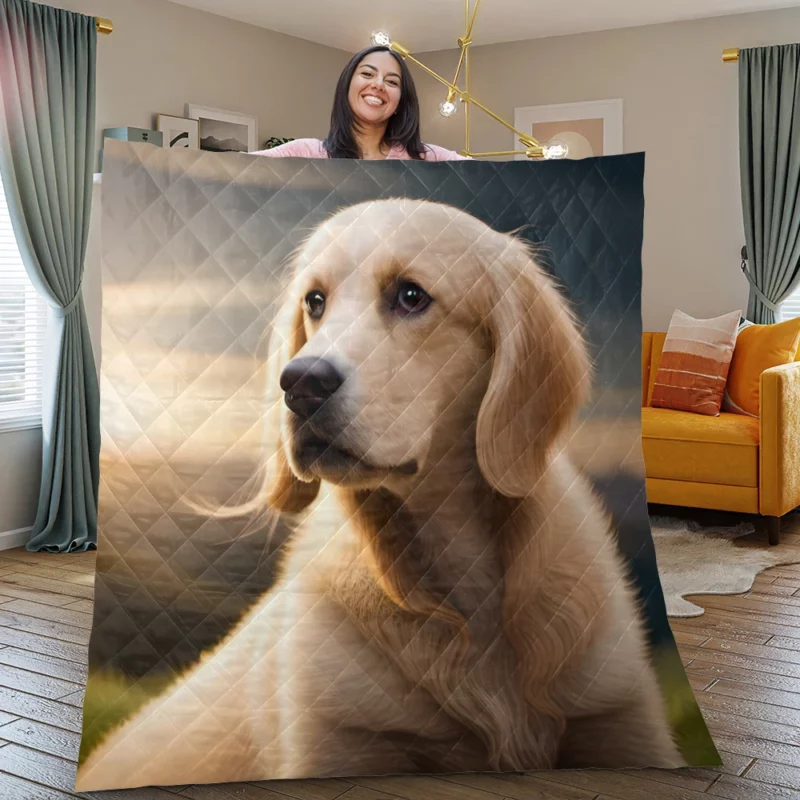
[47, 96]
[769, 144]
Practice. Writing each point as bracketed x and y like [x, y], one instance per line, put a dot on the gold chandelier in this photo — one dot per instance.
[455, 94]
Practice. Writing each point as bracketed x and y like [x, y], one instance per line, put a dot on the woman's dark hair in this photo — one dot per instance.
[402, 127]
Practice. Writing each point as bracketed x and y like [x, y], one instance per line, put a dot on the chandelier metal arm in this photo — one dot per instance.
[466, 41]
[400, 50]
[533, 149]
[524, 137]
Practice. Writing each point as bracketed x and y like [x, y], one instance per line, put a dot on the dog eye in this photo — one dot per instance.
[315, 304]
[411, 299]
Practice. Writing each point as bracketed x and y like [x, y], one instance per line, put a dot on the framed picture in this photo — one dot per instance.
[592, 128]
[224, 131]
[179, 132]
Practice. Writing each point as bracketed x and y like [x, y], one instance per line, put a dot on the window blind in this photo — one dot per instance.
[790, 307]
[23, 323]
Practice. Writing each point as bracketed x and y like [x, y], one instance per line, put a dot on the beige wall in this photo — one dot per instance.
[680, 106]
[161, 56]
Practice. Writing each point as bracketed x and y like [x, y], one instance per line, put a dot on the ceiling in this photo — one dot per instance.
[423, 25]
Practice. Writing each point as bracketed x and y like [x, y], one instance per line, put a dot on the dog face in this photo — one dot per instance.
[410, 324]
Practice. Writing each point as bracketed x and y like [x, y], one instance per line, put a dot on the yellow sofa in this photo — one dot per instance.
[731, 462]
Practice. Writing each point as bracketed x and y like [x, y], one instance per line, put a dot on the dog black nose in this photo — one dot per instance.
[308, 383]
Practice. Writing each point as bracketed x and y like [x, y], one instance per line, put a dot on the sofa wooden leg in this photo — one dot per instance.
[774, 529]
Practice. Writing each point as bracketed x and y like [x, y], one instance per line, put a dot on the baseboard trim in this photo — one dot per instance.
[17, 538]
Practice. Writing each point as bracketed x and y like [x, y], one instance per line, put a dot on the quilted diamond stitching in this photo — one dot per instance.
[264, 210]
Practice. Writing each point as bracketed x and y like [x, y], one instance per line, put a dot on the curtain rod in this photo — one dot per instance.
[104, 25]
[731, 54]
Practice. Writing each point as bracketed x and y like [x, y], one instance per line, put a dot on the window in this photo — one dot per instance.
[790, 307]
[22, 330]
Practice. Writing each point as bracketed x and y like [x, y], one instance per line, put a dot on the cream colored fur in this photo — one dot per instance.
[474, 615]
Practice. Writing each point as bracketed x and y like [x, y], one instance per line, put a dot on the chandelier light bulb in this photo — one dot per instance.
[381, 39]
[555, 149]
[449, 107]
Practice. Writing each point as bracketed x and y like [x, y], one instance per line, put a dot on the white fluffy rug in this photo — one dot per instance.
[693, 559]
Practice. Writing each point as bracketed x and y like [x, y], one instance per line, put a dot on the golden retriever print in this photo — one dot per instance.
[452, 597]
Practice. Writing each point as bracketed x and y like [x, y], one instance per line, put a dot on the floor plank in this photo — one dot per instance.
[753, 709]
[698, 682]
[745, 789]
[754, 663]
[40, 709]
[45, 664]
[307, 790]
[758, 748]
[5, 717]
[744, 666]
[87, 606]
[33, 683]
[38, 767]
[143, 793]
[51, 570]
[531, 786]
[33, 609]
[360, 793]
[786, 571]
[623, 786]
[74, 699]
[763, 605]
[740, 725]
[33, 581]
[772, 589]
[685, 637]
[71, 562]
[13, 787]
[701, 668]
[54, 630]
[41, 645]
[241, 791]
[46, 738]
[729, 625]
[760, 694]
[11, 591]
[774, 774]
[733, 763]
[423, 787]
[793, 583]
[785, 642]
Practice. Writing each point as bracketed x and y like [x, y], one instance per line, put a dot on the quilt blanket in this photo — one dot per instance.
[372, 490]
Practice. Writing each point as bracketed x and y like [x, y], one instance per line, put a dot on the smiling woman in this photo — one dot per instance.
[375, 115]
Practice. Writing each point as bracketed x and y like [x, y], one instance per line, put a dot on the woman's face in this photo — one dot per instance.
[376, 88]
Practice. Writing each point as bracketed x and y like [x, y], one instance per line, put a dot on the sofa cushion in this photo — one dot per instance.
[682, 446]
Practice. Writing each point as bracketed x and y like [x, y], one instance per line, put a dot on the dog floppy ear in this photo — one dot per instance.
[283, 490]
[540, 369]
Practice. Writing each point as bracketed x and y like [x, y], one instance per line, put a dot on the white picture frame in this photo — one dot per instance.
[609, 111]
[224, 131]
[179, 132]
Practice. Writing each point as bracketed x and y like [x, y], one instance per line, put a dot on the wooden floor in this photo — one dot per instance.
[742, 656]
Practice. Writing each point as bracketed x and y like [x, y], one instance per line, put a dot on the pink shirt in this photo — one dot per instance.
[312, 148]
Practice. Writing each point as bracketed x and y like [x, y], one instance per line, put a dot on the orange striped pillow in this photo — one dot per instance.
[695, 362]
